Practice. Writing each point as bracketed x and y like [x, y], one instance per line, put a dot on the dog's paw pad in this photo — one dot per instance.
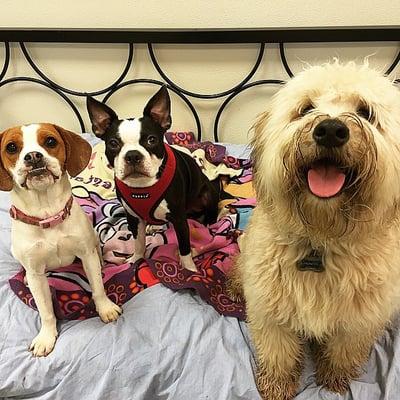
[43, 344]
[108, 311]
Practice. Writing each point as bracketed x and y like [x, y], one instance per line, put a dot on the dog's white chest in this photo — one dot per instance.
[54, 247]
[161, 212]
[48, 249]
[52, 255]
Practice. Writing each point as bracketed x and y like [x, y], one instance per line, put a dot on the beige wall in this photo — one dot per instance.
[198, 68]
[197, 13]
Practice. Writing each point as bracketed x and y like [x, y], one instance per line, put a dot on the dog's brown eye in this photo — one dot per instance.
[51, 142]
[11, 148]
[151, 140]
[364, 112]
[113, 143]
[306, 109]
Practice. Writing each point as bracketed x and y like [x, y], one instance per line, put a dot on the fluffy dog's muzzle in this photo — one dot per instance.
[329, 157]
[326, 178]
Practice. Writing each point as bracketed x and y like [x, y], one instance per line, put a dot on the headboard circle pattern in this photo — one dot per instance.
[284, 60]
[75, 92]
[53, 89]
[287, 68]
[6, 60]
[260, 36]
[393, 66]
[233, 95]
[206, 96]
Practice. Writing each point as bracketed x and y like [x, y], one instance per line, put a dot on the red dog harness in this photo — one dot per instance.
[144, 201]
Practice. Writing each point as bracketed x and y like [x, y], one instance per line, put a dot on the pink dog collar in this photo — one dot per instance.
[18, 215]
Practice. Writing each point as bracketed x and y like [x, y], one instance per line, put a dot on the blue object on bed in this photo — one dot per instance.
[166, 345]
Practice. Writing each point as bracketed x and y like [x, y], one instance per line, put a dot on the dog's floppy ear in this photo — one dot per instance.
[159, 108]
[257, 144]
[257, 141]
[78, 151]
[100, 115]
[6, 181]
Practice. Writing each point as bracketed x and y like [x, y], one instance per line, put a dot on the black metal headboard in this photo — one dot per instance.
[182, 36]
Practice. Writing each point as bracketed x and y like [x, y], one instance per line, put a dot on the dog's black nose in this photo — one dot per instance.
[331, 133]
[133, 157]
[33, 158]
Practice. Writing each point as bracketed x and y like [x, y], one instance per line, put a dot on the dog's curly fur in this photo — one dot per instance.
[346, 307]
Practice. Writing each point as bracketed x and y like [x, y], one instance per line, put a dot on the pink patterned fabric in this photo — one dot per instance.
[214, 248]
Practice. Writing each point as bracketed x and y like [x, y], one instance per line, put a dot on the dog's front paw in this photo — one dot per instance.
[276, 387]
[188, 263]
[333, 372]
[107, 310]
[43, 344]
[334, 381]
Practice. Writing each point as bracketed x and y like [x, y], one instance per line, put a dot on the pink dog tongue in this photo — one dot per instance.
[325, 180]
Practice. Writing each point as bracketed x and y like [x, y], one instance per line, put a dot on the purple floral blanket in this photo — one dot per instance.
[214, 247]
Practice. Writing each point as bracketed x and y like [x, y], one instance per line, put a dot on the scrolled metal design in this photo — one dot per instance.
[284, 60]
[200, 95]
[288, 70]
[233, 95]
[182, 93]
[75, 92]
[6, 60]
[46, 84]
[394, 64]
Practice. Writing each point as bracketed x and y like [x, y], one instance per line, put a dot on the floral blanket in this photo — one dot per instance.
[213, 247]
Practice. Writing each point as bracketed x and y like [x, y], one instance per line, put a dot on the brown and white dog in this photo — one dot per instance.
[49, 229]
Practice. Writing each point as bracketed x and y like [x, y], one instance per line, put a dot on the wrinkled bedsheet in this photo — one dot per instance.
[167, 345]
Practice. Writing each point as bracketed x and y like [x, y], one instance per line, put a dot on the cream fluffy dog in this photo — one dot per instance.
[321, 257]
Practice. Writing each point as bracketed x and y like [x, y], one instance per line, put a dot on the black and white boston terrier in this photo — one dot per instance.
[154, 182]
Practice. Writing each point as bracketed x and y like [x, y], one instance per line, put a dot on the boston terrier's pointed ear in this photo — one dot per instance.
[100, 115]
[159, 108]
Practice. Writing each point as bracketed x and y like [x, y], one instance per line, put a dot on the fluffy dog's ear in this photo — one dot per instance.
[257, 141]
[257, 144]
[159, 108]
[100, 115]
[78, 151]
[6, 181]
